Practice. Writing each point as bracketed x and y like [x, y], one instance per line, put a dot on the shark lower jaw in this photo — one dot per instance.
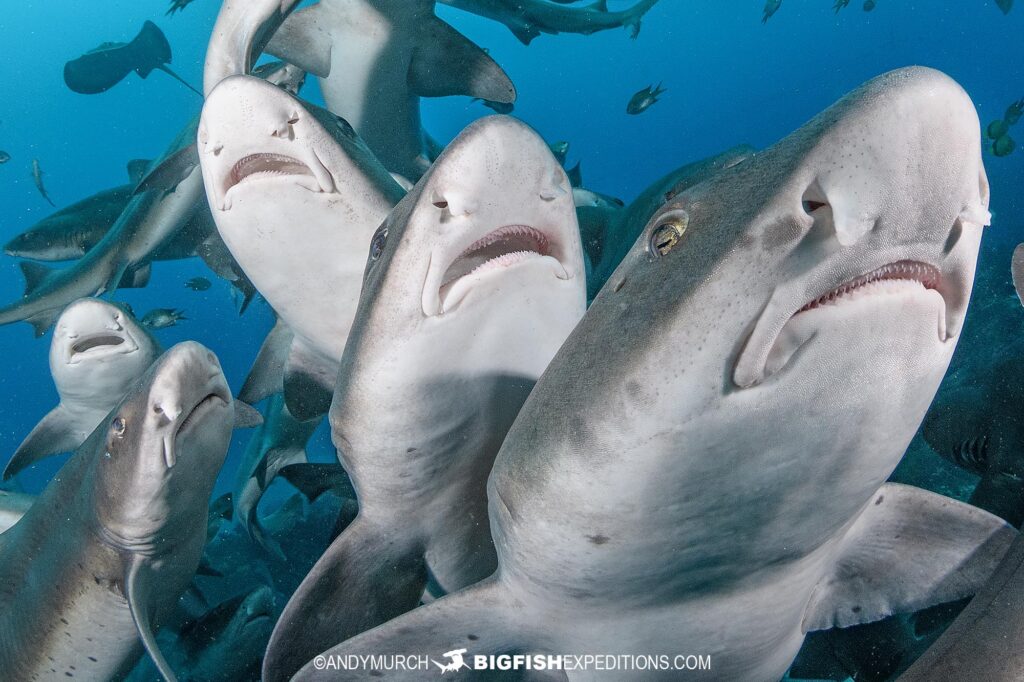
[216, 399]
[494, 256]
[100, 345]
[268, 168]
[778, 338]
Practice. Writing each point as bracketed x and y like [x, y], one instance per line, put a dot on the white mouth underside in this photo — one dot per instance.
[898, 278]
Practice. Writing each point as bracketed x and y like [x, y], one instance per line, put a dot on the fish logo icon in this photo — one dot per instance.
[456, 661]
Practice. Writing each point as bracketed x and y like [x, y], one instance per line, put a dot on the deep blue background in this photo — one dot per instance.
[729, 80]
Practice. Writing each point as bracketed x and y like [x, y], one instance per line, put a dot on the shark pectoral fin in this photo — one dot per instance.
[275, 460]
[368, 576]
[313, 480]
[35, 274]
[445, 62]
[308, 382]
[137, 589]
[908, 550]
[170, 173]
[304, 42]
[524, 33]
[41, 322]
[137, 170]
[247, 416]
[267, 374]
[136, 277]
[55, 433]
[479, 619]
[207, 569]
[1017, 268]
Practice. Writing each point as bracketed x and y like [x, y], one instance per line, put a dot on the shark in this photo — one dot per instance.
[617, 235]
[98, 352]
[279, 442]
[483, 256]
[528, 19]
[1017, 270]
[102, 556]
[375, 59]
[670, 484]
[296, 197]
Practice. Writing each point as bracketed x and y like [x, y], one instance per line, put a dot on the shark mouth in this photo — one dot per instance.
[99, 345]
[496, 252]
[774, 342]
[190, 422]
[312, 176]
[901, 273]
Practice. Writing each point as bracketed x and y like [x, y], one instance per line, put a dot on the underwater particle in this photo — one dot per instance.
[162, 318]
[997, 129]
[1013, 112]
[770, 8]
[1004, 146]
[1005, 5]
[644, 99]
[198, 284]
[4, 157]
[869, 5]
[105, 66]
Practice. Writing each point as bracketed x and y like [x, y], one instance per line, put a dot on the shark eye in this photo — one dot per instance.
[377, 245]
[668, 233]
[118, 426]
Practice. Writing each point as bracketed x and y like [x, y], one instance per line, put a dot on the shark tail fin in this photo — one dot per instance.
[368, 575]
[138, 590]
[54, 434]
[445, 62]
[35, 274]
[478, 620]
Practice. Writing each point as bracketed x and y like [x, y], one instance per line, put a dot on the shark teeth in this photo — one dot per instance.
[912, 271]
[266, 164]
[500, 248]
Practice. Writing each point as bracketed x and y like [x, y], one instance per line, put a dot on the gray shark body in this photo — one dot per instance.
[104, 553]
[296, 196]
[527, 19]
[669, 487]
[482, 255]
[376, 58]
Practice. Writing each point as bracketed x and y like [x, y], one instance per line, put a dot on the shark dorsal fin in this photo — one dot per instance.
[137, 590]
[137, 170]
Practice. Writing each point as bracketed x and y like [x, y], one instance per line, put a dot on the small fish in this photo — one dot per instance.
[561, 151]
[770, 8]
[869, 5]
[1004, 146]
[840, 4]
[178, 5]
[1013, 112]
[37, 176]
[497, 107]
[162, 318]
[642, 101]
[198, 284]
[4, 157]
[1005, 5]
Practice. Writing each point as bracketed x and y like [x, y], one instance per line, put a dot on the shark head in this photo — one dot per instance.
[477, 272]
[770, 345]
[99, 347]
[160, 449]
[296, 196]
[237, 627]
